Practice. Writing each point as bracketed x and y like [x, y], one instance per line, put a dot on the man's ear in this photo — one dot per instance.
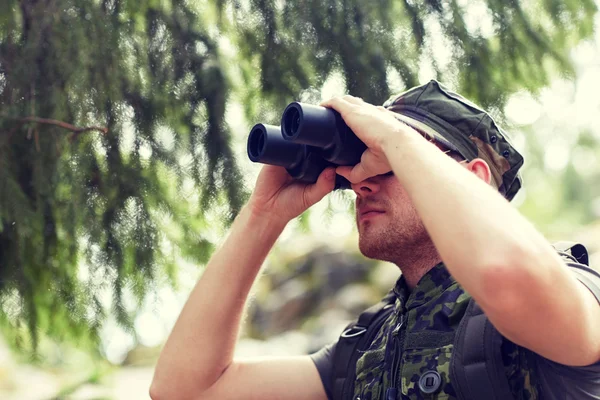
[480, 168]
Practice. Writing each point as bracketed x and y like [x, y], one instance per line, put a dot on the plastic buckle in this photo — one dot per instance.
[355, 331]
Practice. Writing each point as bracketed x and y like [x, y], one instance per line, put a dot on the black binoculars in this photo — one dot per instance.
[310, 139]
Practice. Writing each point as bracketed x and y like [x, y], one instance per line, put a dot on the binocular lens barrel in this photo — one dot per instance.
[310, 139]
[256, 143]
[309, 124]
[267, 146]
[291, 122]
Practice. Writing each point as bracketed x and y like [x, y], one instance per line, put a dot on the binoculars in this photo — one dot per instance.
[310, 139]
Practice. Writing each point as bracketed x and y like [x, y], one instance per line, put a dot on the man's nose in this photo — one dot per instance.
[367, 187]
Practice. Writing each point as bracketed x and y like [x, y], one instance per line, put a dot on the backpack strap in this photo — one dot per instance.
[576, 257]
[476, 366]
[574, 251]
[357, 337]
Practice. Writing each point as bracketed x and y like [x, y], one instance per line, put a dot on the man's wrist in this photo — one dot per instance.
[259, 217]
[396, 139]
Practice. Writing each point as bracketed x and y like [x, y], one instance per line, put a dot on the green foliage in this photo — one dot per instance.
[113, 141]
[151, 75]
[295, 44]
[561, 197]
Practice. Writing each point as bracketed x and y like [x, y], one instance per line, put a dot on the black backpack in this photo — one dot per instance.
[476, 366]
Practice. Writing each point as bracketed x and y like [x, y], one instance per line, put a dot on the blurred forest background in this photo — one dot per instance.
[122, 159]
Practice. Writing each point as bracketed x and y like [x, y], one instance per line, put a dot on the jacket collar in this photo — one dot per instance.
[430, 286]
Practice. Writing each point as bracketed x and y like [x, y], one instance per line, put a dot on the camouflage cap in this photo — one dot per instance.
[460, 125]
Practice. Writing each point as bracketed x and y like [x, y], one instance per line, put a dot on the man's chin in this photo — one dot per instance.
[370, 248]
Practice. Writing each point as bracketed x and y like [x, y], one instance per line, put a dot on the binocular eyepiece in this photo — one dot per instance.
[310, 139]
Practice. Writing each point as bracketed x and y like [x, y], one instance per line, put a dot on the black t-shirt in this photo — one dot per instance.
[557, 381]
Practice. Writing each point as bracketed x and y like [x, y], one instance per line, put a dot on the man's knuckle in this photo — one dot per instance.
[305, 198]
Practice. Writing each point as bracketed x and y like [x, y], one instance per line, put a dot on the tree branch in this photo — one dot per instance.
[75, 129]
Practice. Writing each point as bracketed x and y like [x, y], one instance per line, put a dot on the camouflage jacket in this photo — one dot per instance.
[418, 337]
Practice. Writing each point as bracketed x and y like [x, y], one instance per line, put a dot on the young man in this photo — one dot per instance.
[454, 237]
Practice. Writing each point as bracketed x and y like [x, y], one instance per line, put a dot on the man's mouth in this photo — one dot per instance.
[368, 212]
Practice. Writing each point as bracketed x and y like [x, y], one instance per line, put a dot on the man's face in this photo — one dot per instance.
[389, 226]
[387, 222]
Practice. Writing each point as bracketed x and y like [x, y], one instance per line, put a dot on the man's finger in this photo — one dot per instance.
[275, 172]
[353, 100]
[359, 173]
[344, 171]
[353, 174]
[339, 104]
[324, 184]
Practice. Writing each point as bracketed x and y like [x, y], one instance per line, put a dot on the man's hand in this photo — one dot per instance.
[374, 125]
[197, 360]
[280, 198]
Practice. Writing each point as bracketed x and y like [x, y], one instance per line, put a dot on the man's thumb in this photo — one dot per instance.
[324, 184]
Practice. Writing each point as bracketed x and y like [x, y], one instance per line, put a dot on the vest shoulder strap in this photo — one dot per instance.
[574, 251]
[576, 257]
[476, 365]
[357, 337]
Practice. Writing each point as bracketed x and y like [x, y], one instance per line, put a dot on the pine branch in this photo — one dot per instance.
[75, 129]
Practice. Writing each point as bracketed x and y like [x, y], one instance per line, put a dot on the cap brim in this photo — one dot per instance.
[426, 129]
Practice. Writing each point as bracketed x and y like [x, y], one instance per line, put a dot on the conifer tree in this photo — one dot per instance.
[110, 108]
